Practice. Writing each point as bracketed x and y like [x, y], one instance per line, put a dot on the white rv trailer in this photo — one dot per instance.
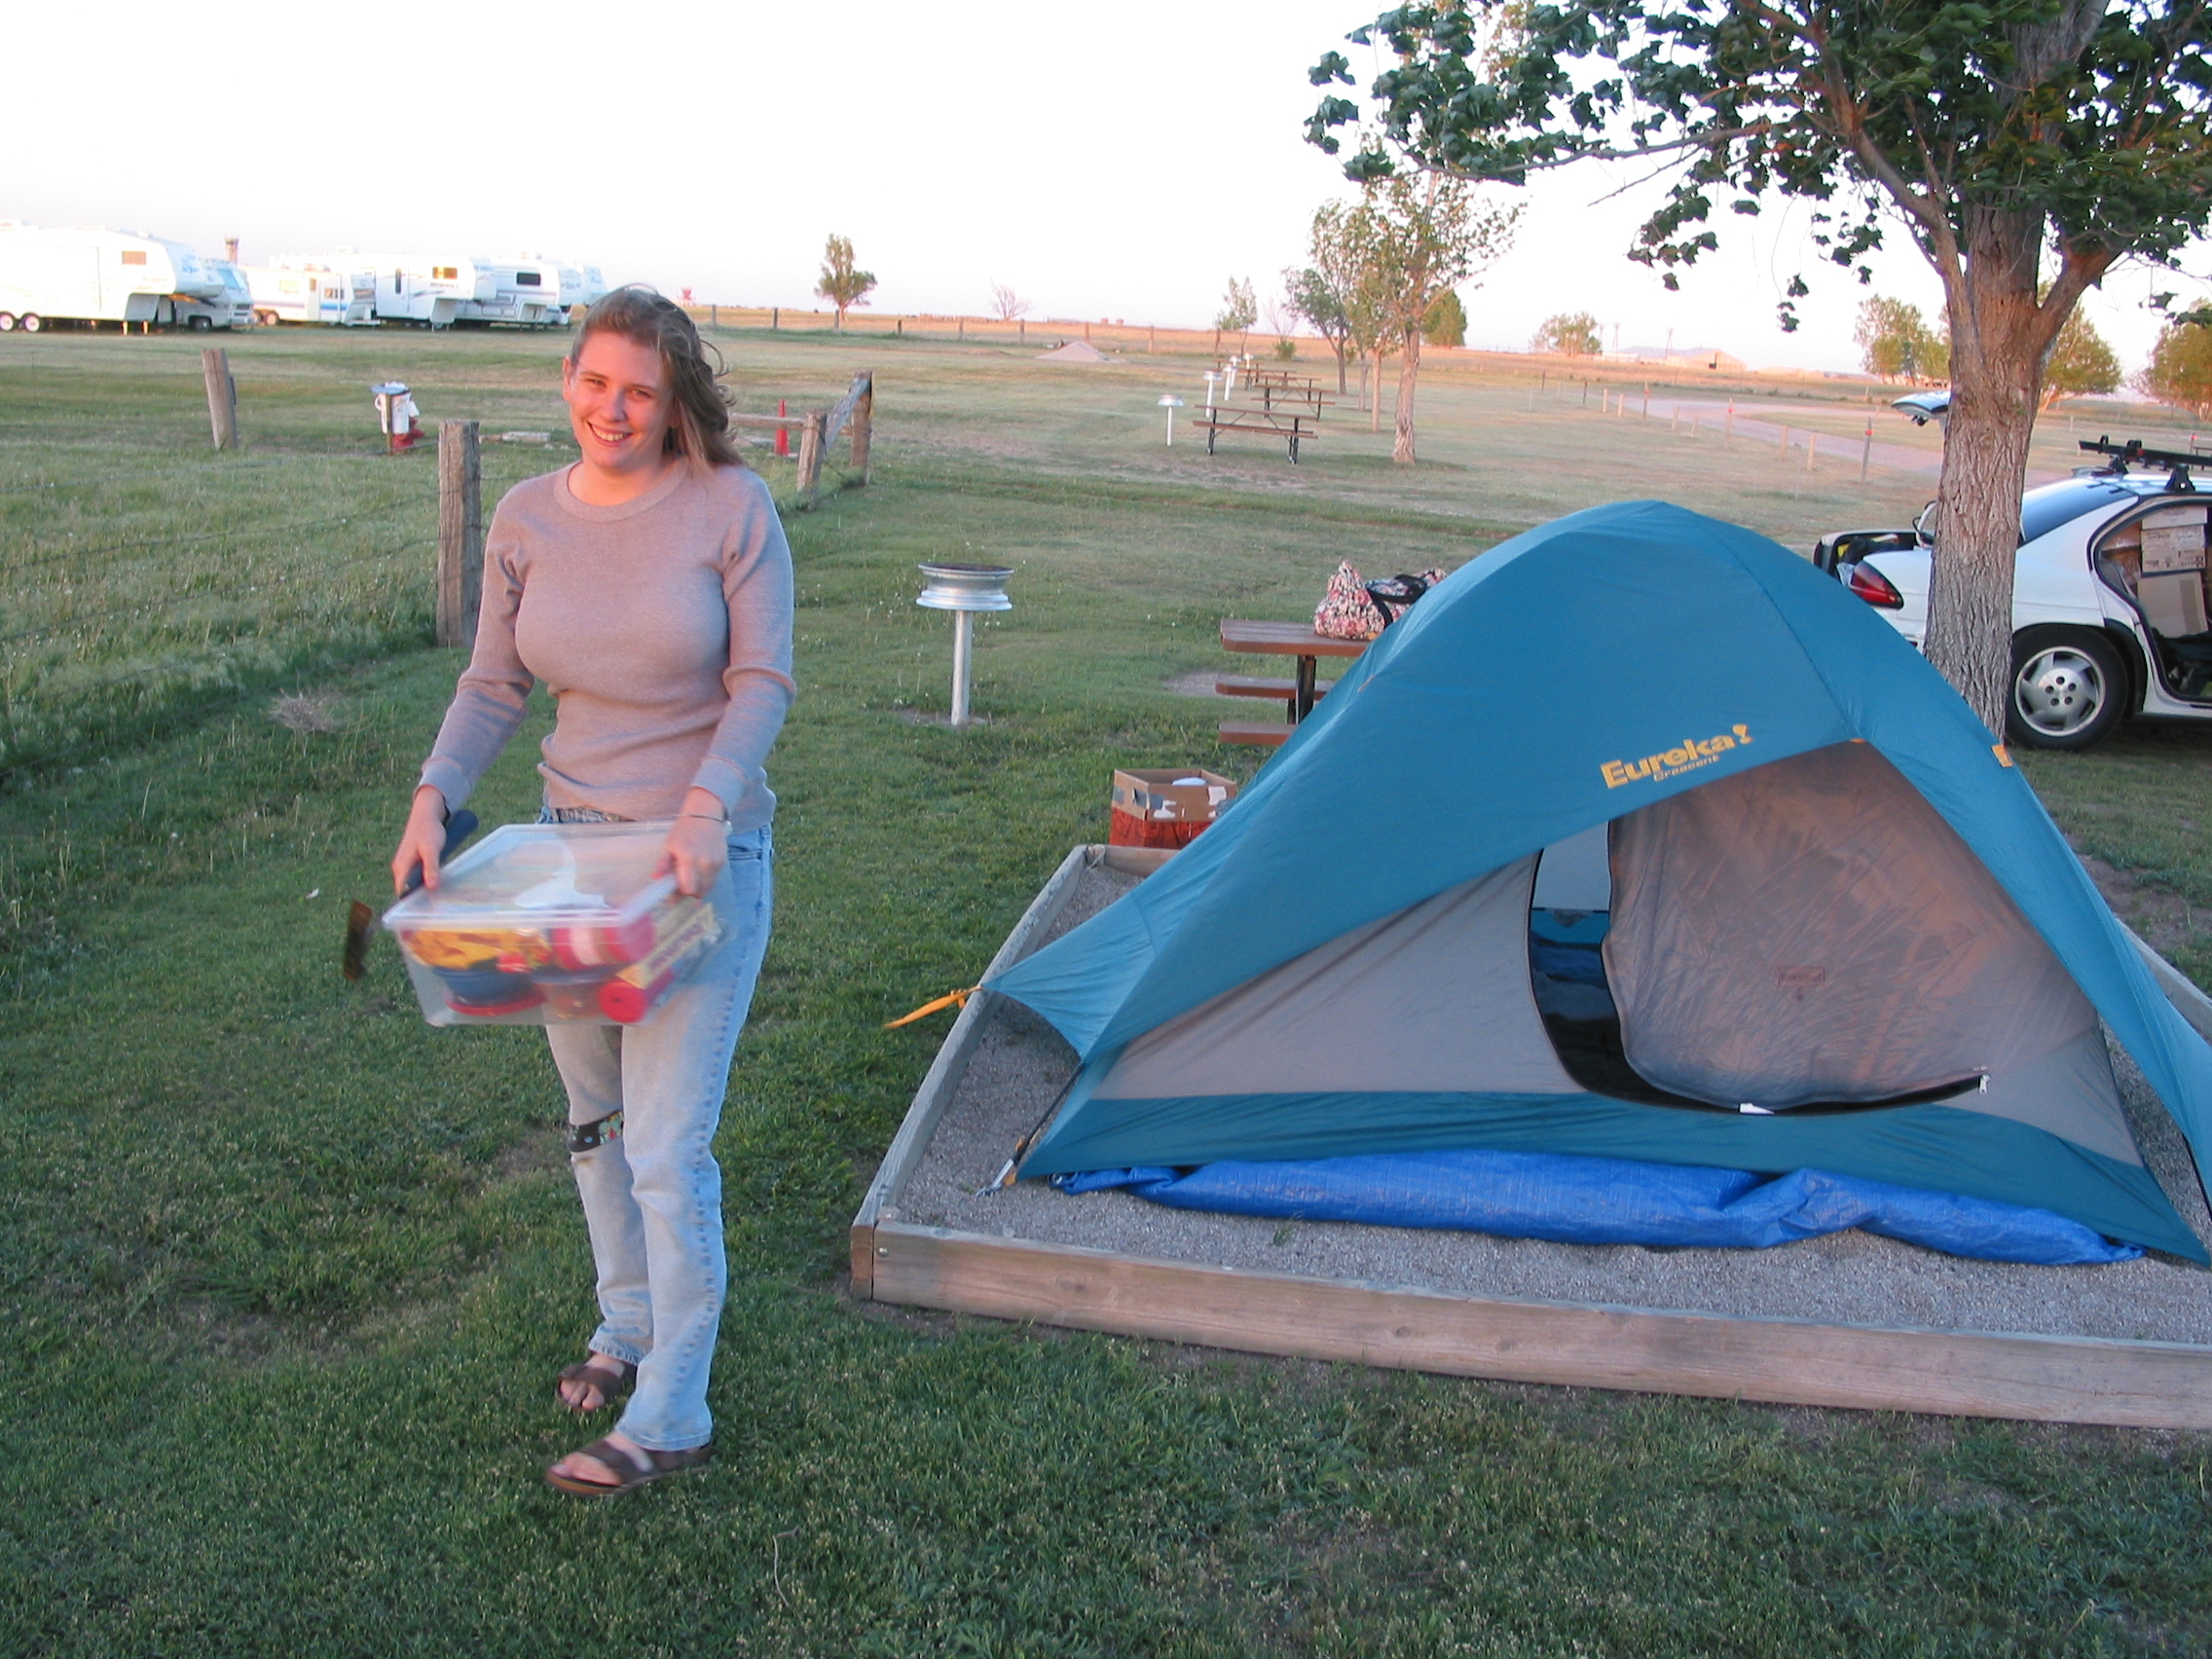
[525, 291]
[428, 288]
[87, 274]
[297, 291]
[234, 310]
[580, 285]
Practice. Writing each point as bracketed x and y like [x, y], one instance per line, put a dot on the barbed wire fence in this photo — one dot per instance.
[147, 633]
[107, 642]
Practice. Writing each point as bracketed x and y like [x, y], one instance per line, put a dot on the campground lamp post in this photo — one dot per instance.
[1170, 402]
[964, 590]
[1211, 378]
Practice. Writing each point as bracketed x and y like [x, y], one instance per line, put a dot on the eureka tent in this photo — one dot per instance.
[1637, 839]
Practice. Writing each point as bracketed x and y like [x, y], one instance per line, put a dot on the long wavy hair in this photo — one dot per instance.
[644, 316]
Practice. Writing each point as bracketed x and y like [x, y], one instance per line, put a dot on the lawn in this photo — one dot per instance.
[288, 1274]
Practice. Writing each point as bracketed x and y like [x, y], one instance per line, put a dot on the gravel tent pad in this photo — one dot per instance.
[2141, 1329]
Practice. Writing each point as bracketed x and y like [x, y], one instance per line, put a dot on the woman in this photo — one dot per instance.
[650, 587]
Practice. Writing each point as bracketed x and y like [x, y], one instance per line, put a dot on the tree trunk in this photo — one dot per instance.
[1374, 404]
[1998, 340]
[1409, 373]
[1337, 345]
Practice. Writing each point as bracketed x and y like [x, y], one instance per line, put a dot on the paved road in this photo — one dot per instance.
[1770, 426]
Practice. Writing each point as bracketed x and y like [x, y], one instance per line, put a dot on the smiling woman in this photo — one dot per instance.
[641, 390]
[650, 587]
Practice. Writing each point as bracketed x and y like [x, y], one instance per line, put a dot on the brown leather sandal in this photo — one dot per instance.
[607, 1376]
[655, 1466]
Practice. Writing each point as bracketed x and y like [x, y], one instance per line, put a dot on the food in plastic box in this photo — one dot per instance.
[539, 923]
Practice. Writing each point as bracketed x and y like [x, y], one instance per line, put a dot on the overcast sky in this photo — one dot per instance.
[1106, 162]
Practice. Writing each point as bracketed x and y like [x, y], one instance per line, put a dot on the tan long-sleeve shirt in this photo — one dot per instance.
[663, 629]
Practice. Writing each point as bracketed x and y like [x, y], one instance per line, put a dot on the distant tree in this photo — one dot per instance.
[1570, 333]
[2179, 370]
[1895, 342]
[1413, 239]
[842, 284]
[2008, 138]
[1445, 324]
[2080, 363]
[1006, 304]
[1345, 242]
[1340, 235]
[1238, 310]
[1312, 294]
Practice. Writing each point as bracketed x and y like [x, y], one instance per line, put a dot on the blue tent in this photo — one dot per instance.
[1361, 956]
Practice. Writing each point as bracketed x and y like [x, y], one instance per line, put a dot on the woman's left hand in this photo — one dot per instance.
[698, 845]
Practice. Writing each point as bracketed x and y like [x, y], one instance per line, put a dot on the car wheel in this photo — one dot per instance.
[2068, 690]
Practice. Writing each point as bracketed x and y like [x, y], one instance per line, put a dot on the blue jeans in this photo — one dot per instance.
[653, 1196]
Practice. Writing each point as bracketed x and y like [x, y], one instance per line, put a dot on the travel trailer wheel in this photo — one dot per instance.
[30, 322]
[2069, 689]
[6, 322]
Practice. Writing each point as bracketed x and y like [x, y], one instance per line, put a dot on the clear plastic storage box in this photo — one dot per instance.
[539, 923]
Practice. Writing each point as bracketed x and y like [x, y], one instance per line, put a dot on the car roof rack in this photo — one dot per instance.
[2133, 452]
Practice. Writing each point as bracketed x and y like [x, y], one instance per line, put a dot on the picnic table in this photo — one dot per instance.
[1276, 422]
[1278, 639]
[1280, 386]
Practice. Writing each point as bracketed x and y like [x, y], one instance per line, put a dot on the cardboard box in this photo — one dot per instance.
[1166, 806]
[2180, 548]
[2173, 603]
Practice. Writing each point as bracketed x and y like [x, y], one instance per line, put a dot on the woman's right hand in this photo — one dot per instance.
[422, 841]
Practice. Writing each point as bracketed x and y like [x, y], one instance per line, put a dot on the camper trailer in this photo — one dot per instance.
[89, 275]
[580, 285]
[303, 292]
[525, 292]
[234, 310]
[424, 288]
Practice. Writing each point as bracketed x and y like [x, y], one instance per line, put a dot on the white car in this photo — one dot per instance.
[2109, 605]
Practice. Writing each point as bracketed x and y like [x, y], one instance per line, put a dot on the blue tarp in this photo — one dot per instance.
[1610, 1201]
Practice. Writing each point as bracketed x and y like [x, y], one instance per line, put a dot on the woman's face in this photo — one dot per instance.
[619, 404]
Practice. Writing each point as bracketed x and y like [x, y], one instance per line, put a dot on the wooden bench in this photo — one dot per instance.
[1252, 685]
[1261, 734]
[1295, 428]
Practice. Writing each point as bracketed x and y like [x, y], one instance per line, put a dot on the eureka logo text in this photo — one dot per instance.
[1693, 753]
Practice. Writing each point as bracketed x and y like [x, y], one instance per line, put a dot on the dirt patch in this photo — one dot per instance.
[2167, 921]
[539, 1148]
[1198, 683]
[307, 712]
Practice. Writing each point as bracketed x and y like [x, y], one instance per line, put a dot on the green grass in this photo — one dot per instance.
[287, 1274]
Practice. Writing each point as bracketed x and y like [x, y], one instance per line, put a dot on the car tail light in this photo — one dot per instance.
[1876, 589]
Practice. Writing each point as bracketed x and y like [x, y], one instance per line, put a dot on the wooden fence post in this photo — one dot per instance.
[863, 420]
[810, 448]
[460, 532]
[222, 396]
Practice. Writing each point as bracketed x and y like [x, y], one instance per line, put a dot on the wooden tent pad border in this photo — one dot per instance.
[2042, 1377]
